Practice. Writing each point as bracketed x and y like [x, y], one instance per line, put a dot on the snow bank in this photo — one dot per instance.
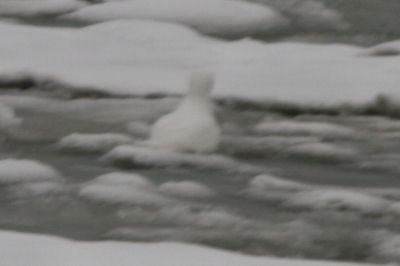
[8, 119]
[335, 199]
[122, 188]
[186, 189]
[142, 57]
[92, 143]
[133, 156]
[222, 17]
[319, 129]
[323, 151]
[72, 253]
[31, 8]
[16, 171]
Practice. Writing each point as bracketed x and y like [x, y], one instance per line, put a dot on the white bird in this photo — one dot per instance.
[192, 126]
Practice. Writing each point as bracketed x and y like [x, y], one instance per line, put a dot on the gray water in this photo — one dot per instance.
[234, 220]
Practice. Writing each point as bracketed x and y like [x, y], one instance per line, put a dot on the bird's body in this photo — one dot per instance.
[192, 126]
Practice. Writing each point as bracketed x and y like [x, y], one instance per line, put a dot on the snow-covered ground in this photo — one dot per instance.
[126, 56]
[19, 249]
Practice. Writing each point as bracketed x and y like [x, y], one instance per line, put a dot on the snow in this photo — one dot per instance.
[192, 126]
[133, 156]
[71, 253]
[318, 129]
[16, 171]
[31, 8]
[186, 189]
[89, 143]
[222, 17]
[246, 68]
[122, 188]
[337, 199]
[8, 119]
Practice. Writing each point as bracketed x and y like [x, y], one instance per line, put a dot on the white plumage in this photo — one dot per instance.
[192, 126]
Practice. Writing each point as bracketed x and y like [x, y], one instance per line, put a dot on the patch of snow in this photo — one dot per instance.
[133, 156]
[31, 8]
[319, 129]
[192, 126]
[122, 188]
[221, 17]
[17, 171]
[337, 199]
[90, 143]
[186, 189]
[71, 253]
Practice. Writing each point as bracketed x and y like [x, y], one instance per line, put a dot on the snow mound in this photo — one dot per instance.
[186, 189]
[384, 49]
[71, 253]
[319, 129]
[339, 200]
[92, 143]
[122, 188]
[33, 8]
[8, 119]
[132, 156]
[222, 17]
[17, 171]
[324, 152]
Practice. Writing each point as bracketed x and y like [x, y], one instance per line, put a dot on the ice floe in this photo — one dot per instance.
[220, 17]
[133, 156]
[337, 199]
[122, 188]
[319, 129]
[17, 171]
[186, 189]
[92, 143]
[34, 8]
